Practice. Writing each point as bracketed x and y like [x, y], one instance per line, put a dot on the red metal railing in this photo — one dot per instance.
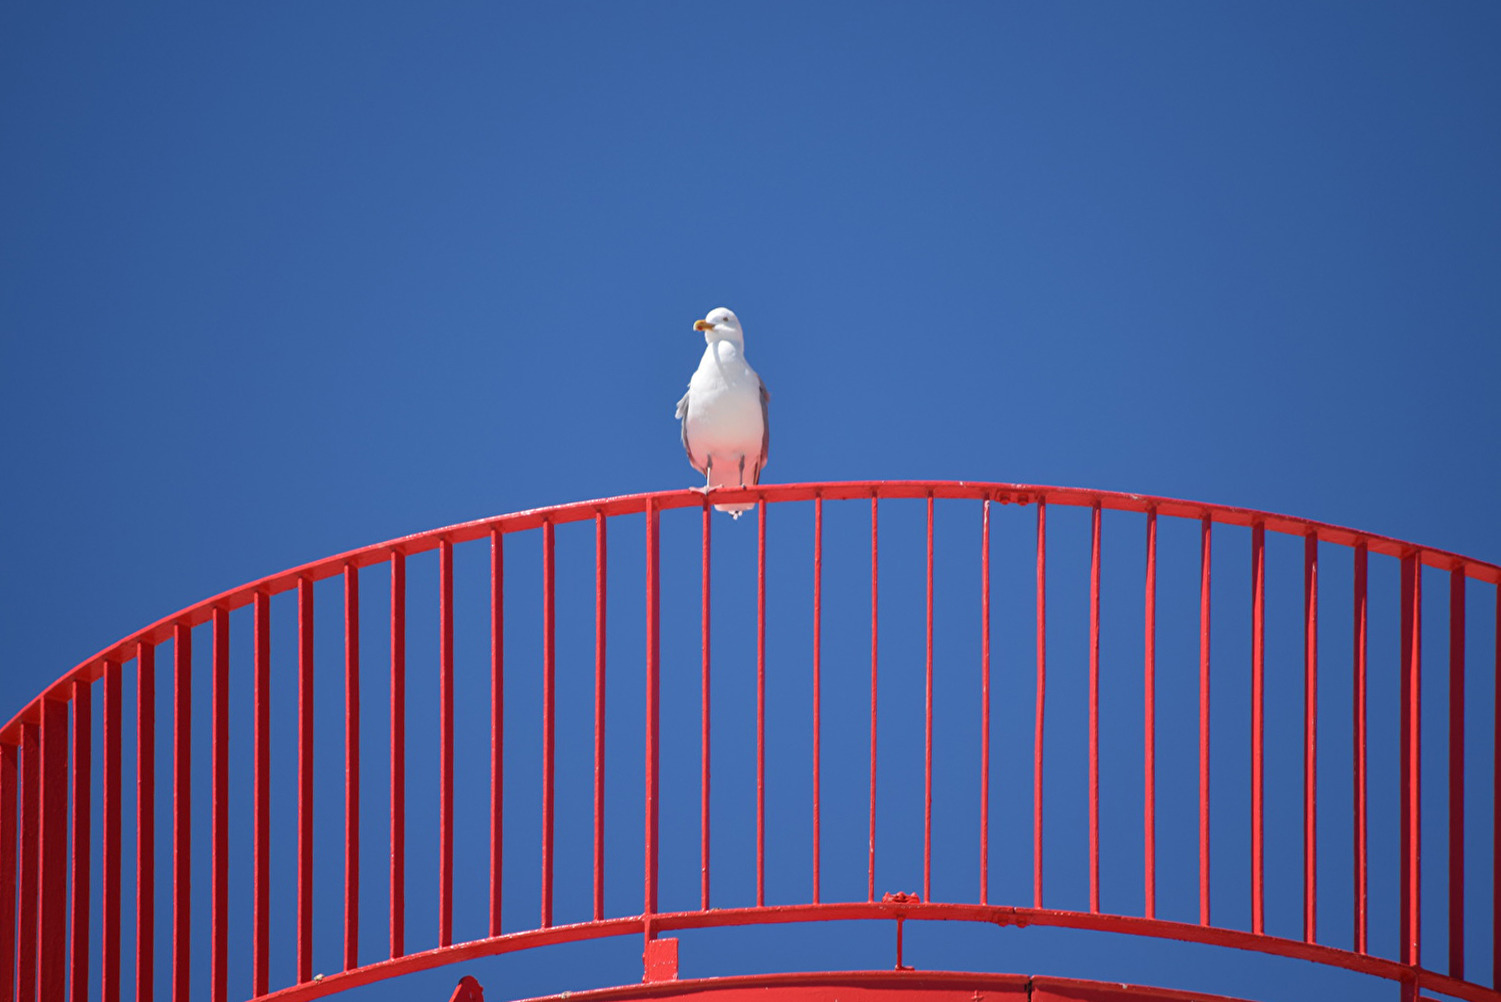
[51, 774]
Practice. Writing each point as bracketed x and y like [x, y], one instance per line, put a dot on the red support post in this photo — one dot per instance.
[304, 779]
[219, 810]
[1258, 725]
[397, 874]
[260, 947]
[1094, 708]
[497, 724]
[182, 809]
[1359, 751]
[31, 809]
[145, 925]
[351, 767]
[80, 797]
[705, 536]
[1205, 540]
[870, 859]
[985, 701]
[1149, 723]
[1410, 876]
[445, 741]
[927, 823]
[9, 793]
[1310, 734]
[109, 836]
[1457, 772]
[653, 765]
[549, 716]
[1496, 800]
[1042, 665]
[52, 918]
[817, 683]
[761, 704]
[600, 595]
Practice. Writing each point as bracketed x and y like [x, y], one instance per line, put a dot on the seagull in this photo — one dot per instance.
[725, 431]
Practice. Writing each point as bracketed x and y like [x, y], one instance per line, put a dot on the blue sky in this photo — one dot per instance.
[283, 281]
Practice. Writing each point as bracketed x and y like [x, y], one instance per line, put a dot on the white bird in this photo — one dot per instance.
[725, 431]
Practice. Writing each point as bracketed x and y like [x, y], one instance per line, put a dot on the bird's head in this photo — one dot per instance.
[720, 325]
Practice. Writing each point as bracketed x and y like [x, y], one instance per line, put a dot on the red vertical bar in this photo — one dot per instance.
[145, 927]
[109, 836]
[985, 702]
[9, 791]
[1094, 708]
[397, 876]
[304, 779]
[219, 806]
[31, 809]
[80, 793]
[182, 809]
[1310, 733]
[817, 681]
[870, 862]
[703, 738]
[445, 738]
[927, 822]
[1149, 723]
[600, 579]
[1496, 802]
[1359, 732]
[761, 704]
[1042, 668]
[653, 698]
[260, 948]
[1457, 772]
[497, 723]
[53, 915]
[1411, 773]
[1258, 636]
[549, 715]
[351, 767]
[1205, 532]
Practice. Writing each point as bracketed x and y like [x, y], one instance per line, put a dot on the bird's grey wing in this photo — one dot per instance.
[682, 415]
[765, 429]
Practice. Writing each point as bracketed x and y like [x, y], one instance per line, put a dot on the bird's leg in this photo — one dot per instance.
[708, 474]
[742, 470]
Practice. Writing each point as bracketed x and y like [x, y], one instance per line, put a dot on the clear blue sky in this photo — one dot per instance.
[281, 281]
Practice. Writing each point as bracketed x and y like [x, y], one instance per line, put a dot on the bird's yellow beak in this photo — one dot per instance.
[703, 325]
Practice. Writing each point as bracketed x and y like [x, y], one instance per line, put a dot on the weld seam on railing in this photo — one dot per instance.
[396, 875]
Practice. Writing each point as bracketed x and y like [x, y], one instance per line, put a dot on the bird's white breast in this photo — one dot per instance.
[724, 402]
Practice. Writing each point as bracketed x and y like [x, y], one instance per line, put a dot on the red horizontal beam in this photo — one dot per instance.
[90, 669]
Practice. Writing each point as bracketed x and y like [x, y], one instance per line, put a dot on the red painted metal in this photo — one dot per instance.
[600, 578]
[182, 811]
[1362, 883]
[52, 861]
[1094, 708]
[445, 741]
[1258, 724]
[80, 804]
[985, 701]
[927, 823]
[1205, 541]
[397, 874]
[1496, 803]
[1409, 919]
[1042, 663]
[29, 946]
[703, 702]
[219, 809]
[875, 615]
[1456, 773]
[351, 767]
[145, 917]
[50, 957]
[1310, 732]
[1149, 724]
[497, 724]
[304, 779]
